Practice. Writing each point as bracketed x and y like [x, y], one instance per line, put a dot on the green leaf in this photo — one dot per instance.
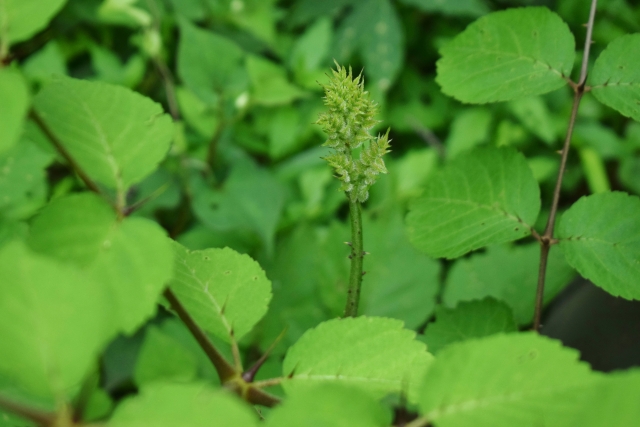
[310, 51]
[330, 405]
[508, 273]
[482, 197]
[20, 19]
[535, 116]
[473, 8]
[23, 183]
[117, 136]
[507, 55]
[163, 358]
[374, 354]
[226, 293]
[131, 258]
[615, 78]
[179, 405]
[472, 319]
[469, 129]
[600, 237]
[614, 401]
[207, 62]
[56, 323]
[269, 83]
[504, 380]
[13, 108]
[46, 64]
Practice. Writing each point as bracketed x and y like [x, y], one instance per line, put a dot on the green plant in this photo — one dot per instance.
[127, 293]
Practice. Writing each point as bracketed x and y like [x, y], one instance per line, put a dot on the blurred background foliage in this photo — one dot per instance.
[241, 80]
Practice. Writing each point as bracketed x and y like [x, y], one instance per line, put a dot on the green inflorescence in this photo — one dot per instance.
[347, 123]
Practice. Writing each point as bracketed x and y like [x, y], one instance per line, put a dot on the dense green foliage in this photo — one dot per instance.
[172, 239]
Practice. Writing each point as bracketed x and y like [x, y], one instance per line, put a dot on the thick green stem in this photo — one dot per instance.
[357, 255]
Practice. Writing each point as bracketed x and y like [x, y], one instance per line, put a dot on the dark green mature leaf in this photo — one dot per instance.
[507, 55]
[330, 405]
[505, 381]
[20, 19]
[470, 319]
[483, 197]
[507, 273]
[117, 136]
[473, 8]
[56, 323]
[600, 237]
[374, 354]
[226, 293]
[614, 401]
[13, 108]
[132, 258]
[175, 405]
[615, 77]
[207, 62]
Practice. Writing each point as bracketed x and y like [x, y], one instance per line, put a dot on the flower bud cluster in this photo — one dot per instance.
[350, 117]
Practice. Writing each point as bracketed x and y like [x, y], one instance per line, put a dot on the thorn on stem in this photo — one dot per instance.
[364, 272]
[348, 243]
[365, 253]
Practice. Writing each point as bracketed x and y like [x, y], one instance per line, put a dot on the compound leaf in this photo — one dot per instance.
[482, 197]
[20, 19]
[13, 108]
[177, 405]
[504, 380]
[616, 76]
[469, 319]
[226, 293]
[508, 273]
[116, 136]
[56, 322]
[131, 258]
[600, 237]
[374, 354]
[330, 405]
[507, 55]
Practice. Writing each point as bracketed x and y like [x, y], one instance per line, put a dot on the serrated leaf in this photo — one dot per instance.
[20, 19]
[131, 258]
[615, 78]
[13, 108]
[504, 381]
[471, 319]
[507, 273]
[483, 197]
[179, 405]
[226, 293]
[58, 323]
[614, 401]
[507, 55]
[117, 136]
[207, 61]
[374, 354]
[163, 358]
[330, 405]
[600, 237]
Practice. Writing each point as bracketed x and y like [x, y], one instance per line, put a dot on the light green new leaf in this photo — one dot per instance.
[374, 354]
[117, 136]
[507, 55]
[131, 258]
[615, 77]
[20, 19]
[14, 94]
[600, 236]
[56, 322]
[226, 293]
[330, 405]
[162, 357]
[614, 402]
[179, 405]
[207, 61]
[483, 197]
[470, 319]
[522, 380]
[508, 273]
